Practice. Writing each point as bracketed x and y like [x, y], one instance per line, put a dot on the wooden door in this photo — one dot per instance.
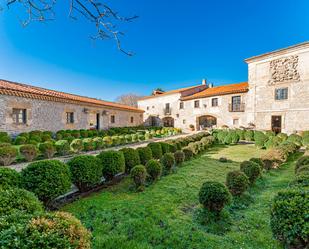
[276, 123]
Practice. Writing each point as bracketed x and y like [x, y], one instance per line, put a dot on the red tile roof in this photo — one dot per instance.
[220, 90]
[169, 92]
[33, 92]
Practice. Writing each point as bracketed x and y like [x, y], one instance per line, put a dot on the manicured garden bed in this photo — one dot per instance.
[165, 215]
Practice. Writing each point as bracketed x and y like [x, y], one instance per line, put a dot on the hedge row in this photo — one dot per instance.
[48, 148]
[290, 209]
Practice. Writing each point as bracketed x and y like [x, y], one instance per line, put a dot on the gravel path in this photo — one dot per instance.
[18, 167]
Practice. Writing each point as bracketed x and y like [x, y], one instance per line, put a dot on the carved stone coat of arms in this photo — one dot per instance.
[284, 70]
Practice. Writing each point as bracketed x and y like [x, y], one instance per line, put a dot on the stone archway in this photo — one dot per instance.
[168, 122]
[205, 121]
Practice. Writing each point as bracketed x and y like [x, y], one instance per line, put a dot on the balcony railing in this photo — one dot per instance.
[237, 107]
[167, 111]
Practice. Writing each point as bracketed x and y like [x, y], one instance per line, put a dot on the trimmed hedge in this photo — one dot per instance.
[9, 178]
[47, 179]
[237, 182]
[188, 153]
[29, 151]
[138, 174]
[179, 157]
[113, 163]
[131, 158]
[47, 149]
[145, 154]
[86, 171]
[304, 160]
[154, 169]
[251, 169]
[289, 217]
[7, 155]
[214, 196]
[156, 150]
[168, 161]
[13, 200]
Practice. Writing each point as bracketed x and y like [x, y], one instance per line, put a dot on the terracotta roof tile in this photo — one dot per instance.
[27, 91]
[220, 90]
[170, 92]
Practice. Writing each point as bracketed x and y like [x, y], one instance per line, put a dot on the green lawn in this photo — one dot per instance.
[164, 215]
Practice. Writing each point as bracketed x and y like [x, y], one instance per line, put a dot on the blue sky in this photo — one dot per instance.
[177, 43]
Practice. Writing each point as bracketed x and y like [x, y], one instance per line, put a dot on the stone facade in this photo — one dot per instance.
[277, 97]
[51, 116]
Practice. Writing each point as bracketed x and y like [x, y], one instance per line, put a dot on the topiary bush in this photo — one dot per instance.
[260, 139]
[237, 182]
[276, 156]
[62, 147]
[289, 217]
[302, 169]
[47, 149]
[113, 163]
[214, 196]
[154, 169]
[168, 161]
[251, 169]
[165, 147]
[300, 180]
[86, 171]
[145, 154]
[88, 144]
[48, 179]
[107, 141]
[249, 135]
[257, 161]
[188, 153]
[156, 150]
[20, 140]
[29, 151]
[179, 157]
[76, 145]
[296, 139]
[47, 230]
[7, 155]
[98, 143]
[9, 178]
[131, 157]
[13, 200]
[138, 174]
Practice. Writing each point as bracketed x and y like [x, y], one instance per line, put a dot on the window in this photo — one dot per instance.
[196, 104]
[147, 107]
[184, 121]
[236, 104]
[132, 120]
[214, 102]
[70, 117]
[19, 116]
[181, 105]
[281, 93]
[112, 119]
[236, 121]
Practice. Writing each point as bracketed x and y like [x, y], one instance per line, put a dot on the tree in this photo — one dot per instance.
[104, 18]
[128, 99]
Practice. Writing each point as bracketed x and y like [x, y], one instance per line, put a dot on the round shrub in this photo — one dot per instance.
[260, 139]
[29, 151]
[98, 143]
[76, 145]
[20, 140]
[168, 161]
[107, 141]
[5, 138]
[154, 169]
[300, 180]
[156, 150]
[188, 153]
[237, 182]
[14, 200]
[249, 135]
[47, 179]
[223, 160]
[7, 155]
[172, 147]
[9, 178]
[131, 157]
[296, 139]
[165, 147]
[47, 149]
[251, 169]
[302, 169]
[145, 154]
[257, 161]
[113, 163]
[88, 144]
[214, 196]
[304, 160]
[289, 217]
[231, 138]
[62, 147]
[138, 174]
[86, 171]
[47, 230]
[179, 157]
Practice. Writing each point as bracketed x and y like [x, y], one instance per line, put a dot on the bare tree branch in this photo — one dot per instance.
[104, 18]
[128, 99]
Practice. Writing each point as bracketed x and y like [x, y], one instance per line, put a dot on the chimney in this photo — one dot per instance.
[210, 85]
[204, 82]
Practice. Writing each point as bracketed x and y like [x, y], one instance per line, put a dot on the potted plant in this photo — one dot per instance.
[191, 126]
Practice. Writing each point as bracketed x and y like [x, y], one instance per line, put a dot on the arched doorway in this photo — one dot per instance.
[168, 122]
[206, 121]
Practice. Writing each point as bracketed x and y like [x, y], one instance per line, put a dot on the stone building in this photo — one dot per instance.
[25, 108]
[276, 97]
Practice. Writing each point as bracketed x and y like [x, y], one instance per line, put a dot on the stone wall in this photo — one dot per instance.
[51, 116]
[287, 68]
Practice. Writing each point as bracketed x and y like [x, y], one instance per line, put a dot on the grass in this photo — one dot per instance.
[164, 215]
